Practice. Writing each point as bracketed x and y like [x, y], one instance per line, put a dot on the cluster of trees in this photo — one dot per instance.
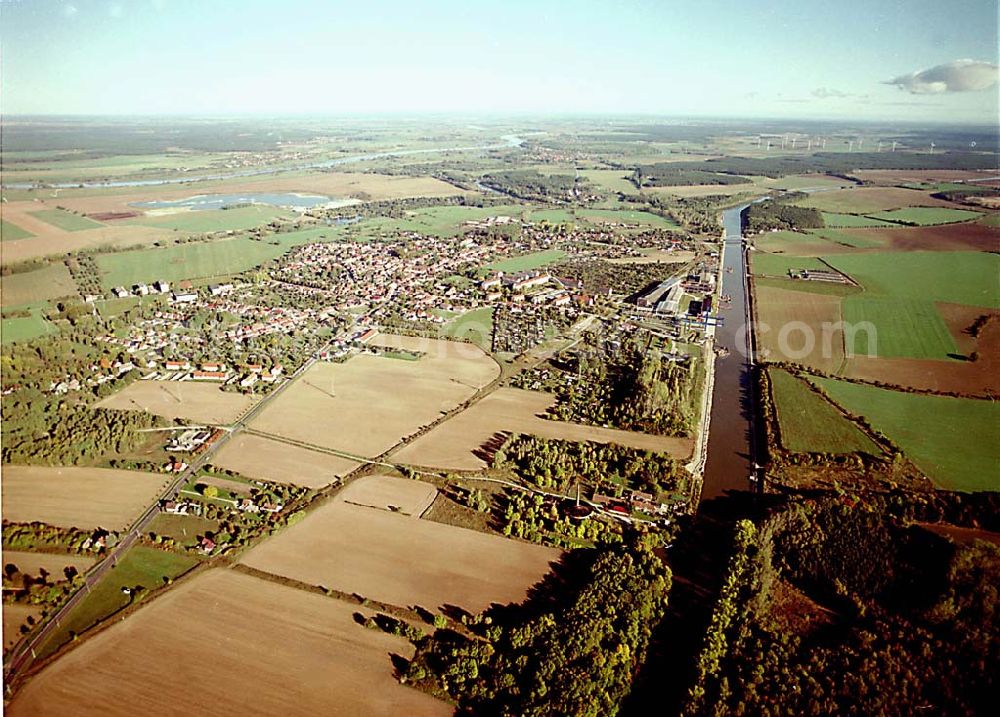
[632, 389]
[533, 185]
[42, 589]
[915, 614]
[766, 216]
[531, 517]
[577, 656]
[60, 432]
[670, 175]
[83, 268]
[698, 215]
[555, 464]
[599, 276]
[50, 538]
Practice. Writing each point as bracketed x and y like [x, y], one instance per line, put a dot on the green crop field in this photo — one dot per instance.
[844, 221]
[991, 220]
[29, 287]
[139, 567]
[856, 239]
[953, 440]
[475, 326]
[764, 264]
[613, 180]
[904, 328]
[958, 277]
[67, 221]
[811, 424]
[825, 288]
[25, 328]
[625, 216]
[217, 220]
[529, 261]
[9, 230]
[926, 216]
[188, 261]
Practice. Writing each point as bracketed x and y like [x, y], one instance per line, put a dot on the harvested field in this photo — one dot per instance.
[457, 443]
[266, 459]
[121, 237]
[862, 200]
[398, 495]
[370, 403]
[77, 497]
[276, 647]
[14, 616]
[788, 318]
[190, 400]
[52, 563]
[402, 560]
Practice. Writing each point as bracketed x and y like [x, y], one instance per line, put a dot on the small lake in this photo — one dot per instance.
[221, 201]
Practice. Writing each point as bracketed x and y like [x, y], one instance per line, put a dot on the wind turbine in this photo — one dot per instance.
[932, 148]
[879, 146]
[893, 145]
[850, 145]
[794, 139]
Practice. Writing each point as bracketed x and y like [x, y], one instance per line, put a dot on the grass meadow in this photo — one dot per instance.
[952, 440]
[810, 423]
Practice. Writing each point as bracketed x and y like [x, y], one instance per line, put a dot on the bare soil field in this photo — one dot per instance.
[792, 315]
[401, 560]
[948, 237]
[370, 403]
[190, 400]
[397, 495]
[893, 176]
[259, 457]
[77, 497]
[225, 643]
[959, 318]
[52, 563]
[981, 377]
[13, 617]
[456, 443]
[862, 200]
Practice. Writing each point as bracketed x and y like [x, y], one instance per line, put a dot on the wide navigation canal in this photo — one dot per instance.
[729, 462]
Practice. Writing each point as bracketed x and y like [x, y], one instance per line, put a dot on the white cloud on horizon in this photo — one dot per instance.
[957, 76]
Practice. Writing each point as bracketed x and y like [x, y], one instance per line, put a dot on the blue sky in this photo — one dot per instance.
[781, 58]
